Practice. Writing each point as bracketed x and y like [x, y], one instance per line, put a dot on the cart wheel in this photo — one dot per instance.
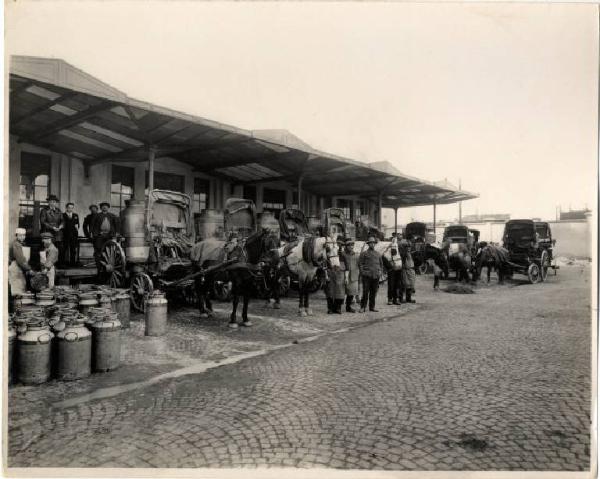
[141, 288]
[533, 273]
[284, 285]
[112, 259]
[544, 265]
[422, 269]
[222, 290]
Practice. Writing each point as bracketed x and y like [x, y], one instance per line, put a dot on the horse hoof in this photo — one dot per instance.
[247, 324]
[309, 312]
[302, 313]
[276, 306]
[203, 315]
[233, 325]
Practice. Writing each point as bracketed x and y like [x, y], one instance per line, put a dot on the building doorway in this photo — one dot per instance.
[34, 187]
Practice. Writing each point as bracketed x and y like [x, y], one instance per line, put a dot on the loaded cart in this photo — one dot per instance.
[529, 246]
[154, 248]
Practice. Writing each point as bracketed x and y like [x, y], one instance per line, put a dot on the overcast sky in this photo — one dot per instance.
[502, 96]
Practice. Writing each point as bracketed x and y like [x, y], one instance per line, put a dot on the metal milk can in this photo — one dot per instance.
[34, 353]
[87, 301]
[73, 349]
[122, 306]
[106, 343]
[45, 299]
[105, 302]
[156, 314]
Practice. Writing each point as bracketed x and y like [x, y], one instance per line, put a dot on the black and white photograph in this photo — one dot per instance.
[313, 237]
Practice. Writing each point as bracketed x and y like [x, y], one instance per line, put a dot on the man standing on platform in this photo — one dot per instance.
[51, 221]
[87, 222]
[352, 272]
[371, 267]
[71, 235]
[48, 258]
[105, 226]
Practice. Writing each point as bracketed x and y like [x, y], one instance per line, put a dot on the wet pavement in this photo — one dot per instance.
[499, 379]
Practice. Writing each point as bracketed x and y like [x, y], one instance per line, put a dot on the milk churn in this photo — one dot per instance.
[87, 301]
[34, 353]
[122, 306]
[105, 302]
[94, 314]
[73, 349]
[44, 299]
[106, 343]
[156, 314]
[133, 230]
[12, 337]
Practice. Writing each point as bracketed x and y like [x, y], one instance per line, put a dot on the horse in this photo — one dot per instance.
[245, 260]
[459, 259]
[304, 258]
[492, 257]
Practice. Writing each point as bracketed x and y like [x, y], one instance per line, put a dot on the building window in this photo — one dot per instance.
[167, 181]
[345, 206]
[121, 187]
[274, 201]
[359, 209]
[34, 188]
[201, 192]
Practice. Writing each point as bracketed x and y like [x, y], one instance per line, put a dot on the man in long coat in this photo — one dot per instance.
[71, 235]
[408, 272]
[105, 226]
[371, 267]
[51, 221]
[336, 289]
[351, 273]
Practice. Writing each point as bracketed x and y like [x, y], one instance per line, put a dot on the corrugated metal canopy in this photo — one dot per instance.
[56, 106]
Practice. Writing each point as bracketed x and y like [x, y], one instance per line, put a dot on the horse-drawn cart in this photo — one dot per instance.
[419, 238]
[529, 246]
[154, 246]
[460, 249]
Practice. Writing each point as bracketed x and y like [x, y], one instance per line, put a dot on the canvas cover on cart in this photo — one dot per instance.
[292, 224]
[240, 217]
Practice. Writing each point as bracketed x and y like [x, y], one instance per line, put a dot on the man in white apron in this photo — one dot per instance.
[48, 258]
[18, 264]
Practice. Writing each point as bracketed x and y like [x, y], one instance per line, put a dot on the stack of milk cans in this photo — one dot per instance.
[66, 333]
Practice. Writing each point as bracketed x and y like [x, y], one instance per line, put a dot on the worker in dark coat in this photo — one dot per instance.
[105, 226]
[51, 221]
[408, 272]
[18, 264]
[352, 273]
[87, 222]
[336, 288]
[371, 267]
[71, 236]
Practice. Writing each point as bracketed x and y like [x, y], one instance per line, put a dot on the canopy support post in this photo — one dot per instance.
[396, 220]
[300, 178]
[151, 157]
[434, 215]
[379, 212]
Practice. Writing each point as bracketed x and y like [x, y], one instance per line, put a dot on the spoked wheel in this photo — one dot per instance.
[422, 268]
[112, 259]
[544, 265]
[533, 273]
[141, 288]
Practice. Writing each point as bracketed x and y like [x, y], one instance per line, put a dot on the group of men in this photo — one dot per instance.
[59, 232]
[366, 269]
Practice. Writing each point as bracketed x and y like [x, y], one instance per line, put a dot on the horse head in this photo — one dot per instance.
[331, 251]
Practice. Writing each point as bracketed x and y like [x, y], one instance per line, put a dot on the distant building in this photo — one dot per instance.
[575, 214]
[501, 217]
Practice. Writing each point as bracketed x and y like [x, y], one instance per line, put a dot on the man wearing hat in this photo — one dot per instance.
[87, 222]
[407, 273]
[71, 235]
[336, 288]
[18, 268]
[48, 258]
[51, 221]
[371, 267]
[105, 226]
[352, 273]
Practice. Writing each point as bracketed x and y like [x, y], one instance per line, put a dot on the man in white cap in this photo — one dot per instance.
[18, 267]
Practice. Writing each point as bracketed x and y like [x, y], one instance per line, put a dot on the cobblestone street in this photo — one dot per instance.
[499, 379]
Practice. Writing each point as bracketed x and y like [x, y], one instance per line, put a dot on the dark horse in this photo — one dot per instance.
[492, 257]
[247, 266]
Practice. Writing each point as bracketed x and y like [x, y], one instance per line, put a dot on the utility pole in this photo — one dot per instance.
[459, 204]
